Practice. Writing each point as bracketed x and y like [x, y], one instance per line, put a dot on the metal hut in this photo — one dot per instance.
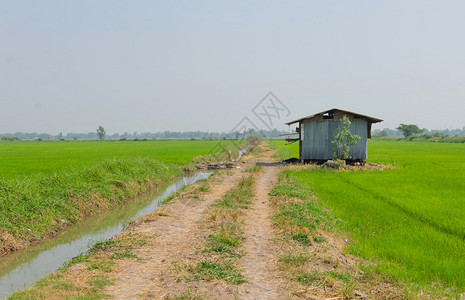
[316, 133]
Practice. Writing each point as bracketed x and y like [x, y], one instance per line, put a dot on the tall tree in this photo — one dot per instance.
[410, 129]
[101, 132]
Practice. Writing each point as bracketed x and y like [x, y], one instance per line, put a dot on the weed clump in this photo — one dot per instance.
[238, 197]
[223, 243]
[225, 270]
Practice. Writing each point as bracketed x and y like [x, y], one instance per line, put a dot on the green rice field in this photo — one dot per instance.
[43, 184]
[31, 158]
[410, 219]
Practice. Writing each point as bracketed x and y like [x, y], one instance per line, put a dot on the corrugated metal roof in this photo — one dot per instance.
[370, 119]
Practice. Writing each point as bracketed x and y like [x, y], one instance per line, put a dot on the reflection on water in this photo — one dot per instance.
[22, 269]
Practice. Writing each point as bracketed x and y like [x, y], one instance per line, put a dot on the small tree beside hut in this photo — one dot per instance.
[343, 140]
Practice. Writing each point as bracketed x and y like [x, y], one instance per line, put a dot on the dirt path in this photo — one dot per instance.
[260, 258]
[178, 236]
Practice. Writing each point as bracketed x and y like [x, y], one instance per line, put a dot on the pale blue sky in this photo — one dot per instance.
[203, 65]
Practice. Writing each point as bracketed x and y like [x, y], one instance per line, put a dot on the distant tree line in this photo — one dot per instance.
[399, 133]
[145, 135]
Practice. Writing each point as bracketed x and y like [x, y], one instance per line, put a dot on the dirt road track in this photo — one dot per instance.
[180, 235]
[259, 263]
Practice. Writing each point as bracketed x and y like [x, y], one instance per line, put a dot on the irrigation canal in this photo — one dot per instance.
[22, 269]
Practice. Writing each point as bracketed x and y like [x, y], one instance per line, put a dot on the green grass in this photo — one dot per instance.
[410, 218]
[99, 284]
[25, 158]
[123, 254]
[435, 138]
[254, 169]
[204, 189]
[283, 149]
[307, 278]
[224, 270]
[301, 238]
[239, 196]
[223, 243]
[189, 295]
[294, 259]
[294, 213]
[227, 236]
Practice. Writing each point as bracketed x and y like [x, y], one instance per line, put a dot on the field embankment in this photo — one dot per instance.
[37, 207]
[312, 253]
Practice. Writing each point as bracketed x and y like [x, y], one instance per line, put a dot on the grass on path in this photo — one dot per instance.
[219, 261]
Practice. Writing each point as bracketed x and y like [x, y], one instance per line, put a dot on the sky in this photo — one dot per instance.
[148, 66]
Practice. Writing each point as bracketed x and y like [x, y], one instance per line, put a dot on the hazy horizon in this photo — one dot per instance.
[228, 133]
[145, 66]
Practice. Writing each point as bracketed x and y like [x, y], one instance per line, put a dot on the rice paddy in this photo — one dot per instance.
[30, 158]
[408, 219]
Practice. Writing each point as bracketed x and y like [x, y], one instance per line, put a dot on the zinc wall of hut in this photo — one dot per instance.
[318, 134]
